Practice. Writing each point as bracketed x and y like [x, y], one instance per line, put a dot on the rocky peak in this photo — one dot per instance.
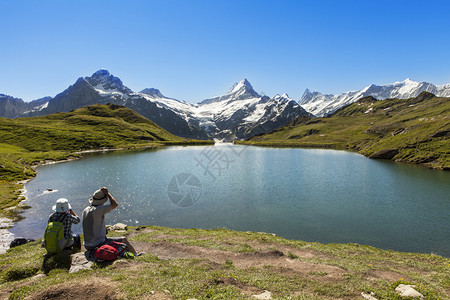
[104, 80]
[307, 96]
[152, 92]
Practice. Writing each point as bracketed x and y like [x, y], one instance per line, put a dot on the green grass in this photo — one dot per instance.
[417, 129]
[200, 278]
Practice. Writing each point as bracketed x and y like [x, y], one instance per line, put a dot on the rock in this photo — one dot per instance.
[384, 154]
[407, 290]
[19, 241]
[6, 238]
[120, 262]
[368, 296]
[118, 226]
[38, 276]
[265, 295]
[80, 262]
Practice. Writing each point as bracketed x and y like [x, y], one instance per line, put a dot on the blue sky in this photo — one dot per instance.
[193, 50]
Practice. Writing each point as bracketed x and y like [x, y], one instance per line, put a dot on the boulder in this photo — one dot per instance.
[368, 296]
[118, 226]
[81, 261]
[265, 295]
[384, 154]
[407, 290]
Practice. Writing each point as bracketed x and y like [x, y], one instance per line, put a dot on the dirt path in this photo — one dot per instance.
[274, 258]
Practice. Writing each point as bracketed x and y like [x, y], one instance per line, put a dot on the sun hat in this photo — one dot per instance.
[62, 205]
[98, 198]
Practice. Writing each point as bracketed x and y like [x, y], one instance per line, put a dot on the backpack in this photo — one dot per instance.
[54, 236]
[110, 251]
[19, 241]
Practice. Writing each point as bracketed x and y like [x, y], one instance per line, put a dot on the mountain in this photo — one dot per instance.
[238, 114]
[322, 104]
[242, 113]
[239, 91]
[90, 127]
[413, 130]
[11, 107]
[103, 88]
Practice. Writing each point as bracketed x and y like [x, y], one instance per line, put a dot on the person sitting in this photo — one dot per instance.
[65, 214]
[94, 228]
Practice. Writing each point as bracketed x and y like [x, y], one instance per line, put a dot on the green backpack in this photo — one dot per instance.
[54, 237]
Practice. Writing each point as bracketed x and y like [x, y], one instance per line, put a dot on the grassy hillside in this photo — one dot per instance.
[415, 130]
[25, 142]
[224, 264]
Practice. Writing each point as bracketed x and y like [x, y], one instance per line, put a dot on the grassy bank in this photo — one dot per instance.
[224, 264]
[415, 130]
[27, 142]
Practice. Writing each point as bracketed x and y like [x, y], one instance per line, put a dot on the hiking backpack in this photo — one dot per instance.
[110, 251]
[54, 236]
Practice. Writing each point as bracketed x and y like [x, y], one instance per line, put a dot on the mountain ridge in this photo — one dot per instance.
[322, 104]
[237, 114]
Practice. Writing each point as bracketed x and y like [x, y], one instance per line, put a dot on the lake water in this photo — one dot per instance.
[307, 194]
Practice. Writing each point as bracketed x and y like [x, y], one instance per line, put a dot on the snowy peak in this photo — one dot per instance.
[283, 97]
[155, 93]
[244, 84]
[241, 90]
[322, 104]
[406, 81]
[105, 81]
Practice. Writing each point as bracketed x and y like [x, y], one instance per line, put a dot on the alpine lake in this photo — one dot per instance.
[314, 195]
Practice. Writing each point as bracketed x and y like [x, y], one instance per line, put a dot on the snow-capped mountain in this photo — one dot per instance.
[242, 113]
[238, 114]
[239, 91]
[323, 104]
[102, 88]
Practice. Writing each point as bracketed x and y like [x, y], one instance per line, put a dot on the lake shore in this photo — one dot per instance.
[13, 194]
[336, 146]
[162, 174]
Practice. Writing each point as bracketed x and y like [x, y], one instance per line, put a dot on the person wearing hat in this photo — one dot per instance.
[64, 214]
[94, 228]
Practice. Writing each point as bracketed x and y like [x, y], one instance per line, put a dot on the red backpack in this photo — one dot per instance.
[110, 251]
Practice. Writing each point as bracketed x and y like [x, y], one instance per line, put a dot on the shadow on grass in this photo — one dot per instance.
[61, 260]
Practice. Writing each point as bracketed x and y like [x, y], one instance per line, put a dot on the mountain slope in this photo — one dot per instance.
[103, 88]
[238, 114]
[90, 127]
[323, 104]
[414, 130]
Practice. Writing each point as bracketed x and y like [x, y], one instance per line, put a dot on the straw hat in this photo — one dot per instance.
[98, 198]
